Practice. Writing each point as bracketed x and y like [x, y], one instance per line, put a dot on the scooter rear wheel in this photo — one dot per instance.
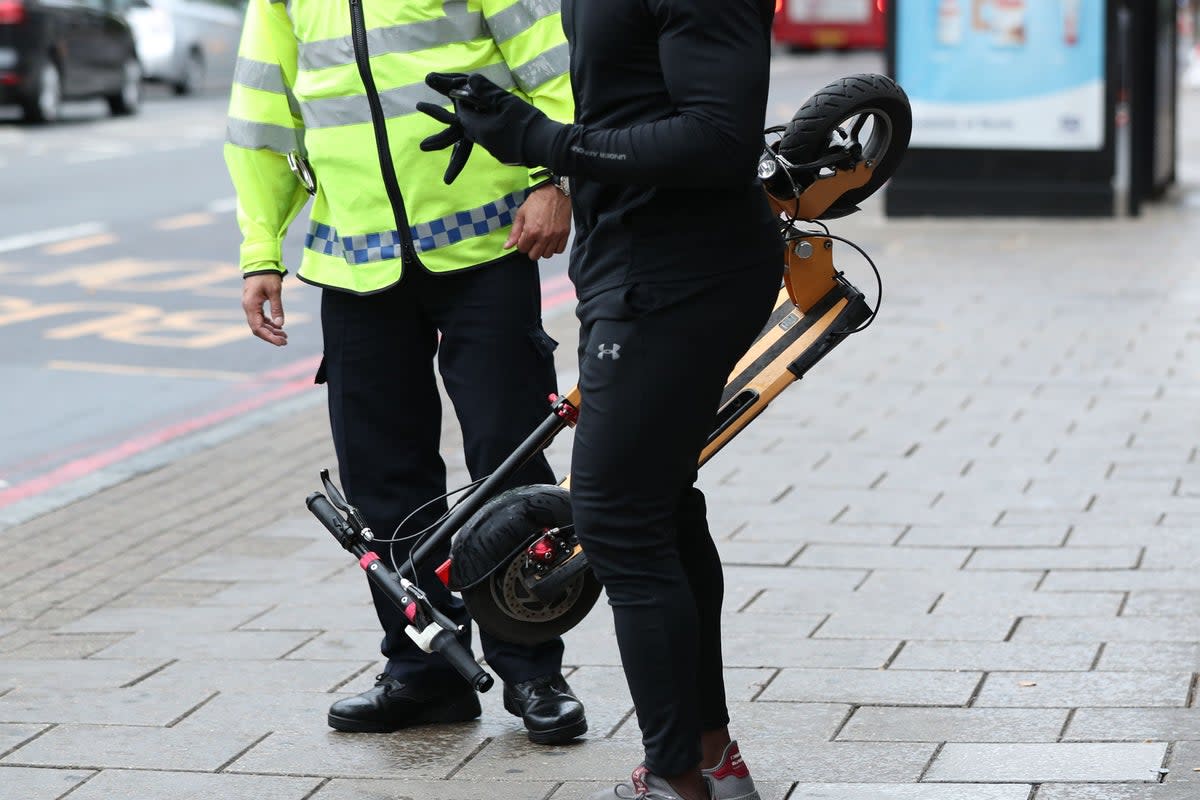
[503, 607]
[489, 556]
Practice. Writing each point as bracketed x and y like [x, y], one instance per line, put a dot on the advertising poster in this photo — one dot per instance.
[1003, 74]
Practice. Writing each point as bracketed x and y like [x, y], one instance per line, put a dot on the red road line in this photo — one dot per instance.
[555, 283]
[303, 366]
[82, 467]
[558, 299]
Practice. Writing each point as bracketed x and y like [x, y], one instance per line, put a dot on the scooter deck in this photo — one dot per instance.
[788, 347]
[817, 309]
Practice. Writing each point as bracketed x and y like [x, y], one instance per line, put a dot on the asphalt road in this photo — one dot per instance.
[120, 319]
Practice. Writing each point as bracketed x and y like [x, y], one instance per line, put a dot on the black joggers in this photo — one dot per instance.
[654, 359]
[497, 364]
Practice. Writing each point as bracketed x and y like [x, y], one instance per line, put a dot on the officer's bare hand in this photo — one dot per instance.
[543, 224]
[258, 290]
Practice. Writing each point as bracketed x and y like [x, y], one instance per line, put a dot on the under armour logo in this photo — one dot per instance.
[609, 350]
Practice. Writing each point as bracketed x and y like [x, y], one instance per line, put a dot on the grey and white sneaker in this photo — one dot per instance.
[642, 785]
[730, 779]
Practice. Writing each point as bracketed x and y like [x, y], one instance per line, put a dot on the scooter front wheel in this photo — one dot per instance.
[866, 115]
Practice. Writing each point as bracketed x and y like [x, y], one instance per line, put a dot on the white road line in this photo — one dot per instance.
[51, 236]
[97, 155]
[87, 159]
[223, 206]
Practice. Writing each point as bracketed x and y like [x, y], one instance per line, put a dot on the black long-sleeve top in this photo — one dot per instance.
[670, 100]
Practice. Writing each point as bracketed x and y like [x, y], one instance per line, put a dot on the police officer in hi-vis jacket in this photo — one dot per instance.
[324, 101]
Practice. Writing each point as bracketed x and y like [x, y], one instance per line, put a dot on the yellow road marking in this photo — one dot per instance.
[76, 245]
[154, 372]
[141, 275]
[185, 221]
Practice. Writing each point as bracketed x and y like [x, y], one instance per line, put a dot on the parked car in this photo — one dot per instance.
[56, 50]
[184, 43]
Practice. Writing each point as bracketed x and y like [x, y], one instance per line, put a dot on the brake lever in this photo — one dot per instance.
[340, 502]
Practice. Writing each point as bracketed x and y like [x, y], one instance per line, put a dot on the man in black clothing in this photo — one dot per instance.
[677, 261]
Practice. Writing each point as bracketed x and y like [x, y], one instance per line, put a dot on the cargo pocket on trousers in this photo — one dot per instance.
[543, 344]
[319, 378]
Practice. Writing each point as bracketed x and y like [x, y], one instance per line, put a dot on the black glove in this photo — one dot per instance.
[454, 133]
[503, 124]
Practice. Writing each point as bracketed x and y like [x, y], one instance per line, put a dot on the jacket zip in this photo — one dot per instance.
[358, 35]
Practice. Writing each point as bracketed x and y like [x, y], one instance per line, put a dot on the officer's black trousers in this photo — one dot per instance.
[653, 362]
[497, 365]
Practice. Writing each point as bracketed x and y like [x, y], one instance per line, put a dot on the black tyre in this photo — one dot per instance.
[128, 98]
[502, 607]
[868, 112]
[46, 105]
[489, 557]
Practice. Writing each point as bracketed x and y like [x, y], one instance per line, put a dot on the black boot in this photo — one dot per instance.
[551, 713]
[392, 705]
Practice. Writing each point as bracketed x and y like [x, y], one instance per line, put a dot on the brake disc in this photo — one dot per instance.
[517, 601]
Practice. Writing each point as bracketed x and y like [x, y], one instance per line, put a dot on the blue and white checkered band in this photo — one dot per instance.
[367, 248]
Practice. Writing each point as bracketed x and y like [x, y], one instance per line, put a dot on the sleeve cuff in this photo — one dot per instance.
[539, 177]
[264, 269]
[540, 137]
[258, 255]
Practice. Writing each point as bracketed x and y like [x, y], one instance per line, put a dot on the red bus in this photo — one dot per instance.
[836, 24]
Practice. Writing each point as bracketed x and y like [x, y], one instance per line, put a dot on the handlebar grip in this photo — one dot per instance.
[328, 516]
[452, 650]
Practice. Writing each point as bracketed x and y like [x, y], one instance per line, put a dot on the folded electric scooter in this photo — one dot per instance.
[514, 556]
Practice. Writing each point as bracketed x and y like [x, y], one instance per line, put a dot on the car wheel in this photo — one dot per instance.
[129, 98]
[46, 106]
[192, 80]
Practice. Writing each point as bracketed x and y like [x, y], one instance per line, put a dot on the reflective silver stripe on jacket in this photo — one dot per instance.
[262, 136]
[259, 75]
[407, 38]
[549, 65]
[520, 17]
[329, 112]
[369, 248]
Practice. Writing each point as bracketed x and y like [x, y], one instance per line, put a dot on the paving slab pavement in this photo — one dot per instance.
[961, 566]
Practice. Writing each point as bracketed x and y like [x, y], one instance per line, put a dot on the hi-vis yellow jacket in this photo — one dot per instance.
[338, 81]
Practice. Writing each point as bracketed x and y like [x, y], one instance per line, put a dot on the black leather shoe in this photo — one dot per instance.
[551, 713]
[392, 705]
